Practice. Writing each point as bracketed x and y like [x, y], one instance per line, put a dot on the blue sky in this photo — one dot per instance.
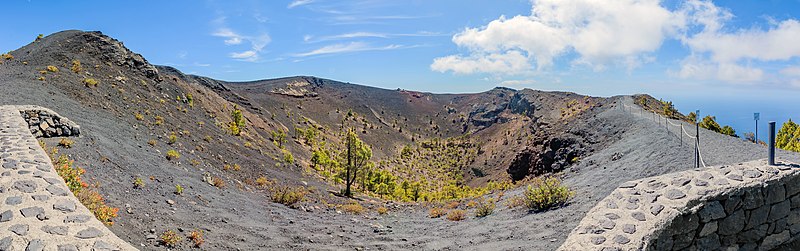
[697, 53]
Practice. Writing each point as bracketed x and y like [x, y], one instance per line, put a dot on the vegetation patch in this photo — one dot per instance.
[65, 143]
[353, 208]
[90, 82]
[288, 195]
[382, 210]
[170, 238]
[86, 194]
[484, 208]
[76, 66]
[546, 193]
[173, 155]
[788, 137]
[196, 237]
[436, 212]
[457, 215]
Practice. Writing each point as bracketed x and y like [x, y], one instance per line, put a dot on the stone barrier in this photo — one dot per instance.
[43, 122]
[748, 206]
[37, 210]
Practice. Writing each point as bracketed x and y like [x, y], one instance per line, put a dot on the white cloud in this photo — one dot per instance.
[244, 55]
[517, 82]
[625, 33]
[729, 55]
[510, 62]
[349, 47]
[697, 67]
[296, 3]
[363, 34]
[599, 32]
[257, 43]
[231, 38]
[793, 71]
[780, 42]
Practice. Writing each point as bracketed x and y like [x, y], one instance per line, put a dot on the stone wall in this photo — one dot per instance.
[43, 122]
[749, 206]
[37, 210]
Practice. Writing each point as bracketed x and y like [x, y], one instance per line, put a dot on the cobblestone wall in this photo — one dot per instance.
[749, 206]
[43, 122]
[37, 210]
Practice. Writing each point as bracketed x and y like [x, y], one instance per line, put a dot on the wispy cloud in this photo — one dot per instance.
[231, 37]
[361, 34]
[350, 19]
[296, 3]
[517, 82]
[349, 47]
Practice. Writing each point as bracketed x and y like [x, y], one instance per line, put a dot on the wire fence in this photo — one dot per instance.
[679, 129]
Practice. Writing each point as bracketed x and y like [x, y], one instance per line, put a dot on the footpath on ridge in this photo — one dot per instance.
[37, 210]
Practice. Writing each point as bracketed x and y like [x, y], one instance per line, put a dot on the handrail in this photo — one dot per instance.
[683, 129]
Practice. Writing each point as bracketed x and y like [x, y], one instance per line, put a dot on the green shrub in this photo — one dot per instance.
[190, 99]
[288, 157]
[288, 195]
[90, 82]
[788, 137]
[546, 194]
[173, 155]
[178, 189]
[196, 237]
[76, 66]
[65, 143]
[382, 210]
[353, 208]
[238, 123]
[436, 212]
[138, 183]
[172, 138]
[170, 239]
[457, 215]
[484, 208]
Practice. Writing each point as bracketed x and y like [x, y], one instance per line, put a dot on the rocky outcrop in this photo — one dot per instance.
[43, 122]
[297, 89]
[552, 156]
[749, 206]
[111, 50]
[37, 211]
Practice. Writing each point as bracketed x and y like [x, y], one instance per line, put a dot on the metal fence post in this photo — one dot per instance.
[697, 141]
[772, 143]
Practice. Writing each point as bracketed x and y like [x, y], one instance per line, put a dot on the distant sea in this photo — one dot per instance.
[737, 112]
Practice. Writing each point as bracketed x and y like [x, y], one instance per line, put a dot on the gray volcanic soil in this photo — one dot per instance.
[114, 152]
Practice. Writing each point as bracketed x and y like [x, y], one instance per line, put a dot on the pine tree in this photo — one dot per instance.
[786, 134]
[710, 123]
[357, 154]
